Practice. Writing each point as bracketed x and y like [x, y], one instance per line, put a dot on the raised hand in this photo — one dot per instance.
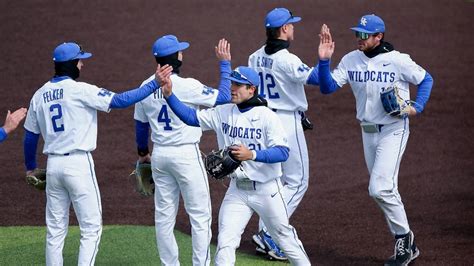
[13, 119]
[223, 50]
[163, 77]
[326, 45]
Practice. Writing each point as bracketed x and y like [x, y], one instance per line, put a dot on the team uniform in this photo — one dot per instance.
[383, 150]
[255, 188]
[283, 76]
[177, 168]
[64, 112]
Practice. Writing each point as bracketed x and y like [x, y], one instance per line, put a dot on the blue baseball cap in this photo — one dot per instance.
[245, 75]
[167, 45]
[370, 24]
[69, 51]
[279, 17]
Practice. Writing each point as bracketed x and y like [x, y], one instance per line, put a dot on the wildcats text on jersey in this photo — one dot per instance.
[241, 132]
[377, 76]
[264, 62]
[52, 95]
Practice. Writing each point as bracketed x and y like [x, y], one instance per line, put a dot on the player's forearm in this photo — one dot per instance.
[127, 98]
[141, 137]
[224, 86]
[313, 78]
[275, 154]
[424, 92]
[326, 83]
[3, 134]
[185, 113]
[30, 143]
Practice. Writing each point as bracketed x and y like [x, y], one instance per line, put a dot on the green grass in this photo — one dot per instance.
[120, 245]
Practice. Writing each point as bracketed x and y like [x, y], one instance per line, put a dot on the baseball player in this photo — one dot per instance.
[259, 141]
[64, 112]
[376, 65]
[176, 162]
[282, 79]
[11, 122]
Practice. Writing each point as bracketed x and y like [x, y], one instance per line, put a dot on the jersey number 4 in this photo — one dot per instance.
[164, 118]
[267, 83]
[56, 117]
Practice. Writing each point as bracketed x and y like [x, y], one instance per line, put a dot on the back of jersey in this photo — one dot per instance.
[167, 128]
[282, 79]
[65, 113]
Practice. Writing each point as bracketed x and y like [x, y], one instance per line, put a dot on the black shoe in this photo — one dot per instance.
[405, 251]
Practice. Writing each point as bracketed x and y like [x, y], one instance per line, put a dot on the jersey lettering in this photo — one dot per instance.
[52, 95]
[376, 76]
[264, 62]
[303, 68]
[255, 147]
[207, 90]
[164, 118]
[241, 132]
[104, 92]
[269, 84]
[56, 119]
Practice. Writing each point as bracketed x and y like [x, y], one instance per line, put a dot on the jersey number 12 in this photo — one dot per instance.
[269, 83]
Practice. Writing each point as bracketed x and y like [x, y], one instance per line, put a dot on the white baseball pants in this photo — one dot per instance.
[180, 170]
[237, 209]
[383, 153]
[71, 179]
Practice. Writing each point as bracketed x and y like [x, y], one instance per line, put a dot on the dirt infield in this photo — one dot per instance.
[337, 221]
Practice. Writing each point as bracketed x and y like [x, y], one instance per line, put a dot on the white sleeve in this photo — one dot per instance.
[410, 71]
[95, 97]
[209, 119]
[139, 113]
[296, 70]
[276, 135]
[198, 93]
[339, 74]
[31, 123]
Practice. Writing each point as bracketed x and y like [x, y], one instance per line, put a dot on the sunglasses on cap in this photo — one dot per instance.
[364, 36]
[291, 17]
[239, 76]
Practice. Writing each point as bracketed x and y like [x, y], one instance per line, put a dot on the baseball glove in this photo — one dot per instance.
[393, 104]
[220, 163]
[37, 179]
[144, 179]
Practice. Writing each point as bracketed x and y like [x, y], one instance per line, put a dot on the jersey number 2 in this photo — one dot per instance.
[164, 118]
[57, 110]
[269, 81]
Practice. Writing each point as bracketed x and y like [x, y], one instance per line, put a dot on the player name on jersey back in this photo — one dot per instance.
[52, 95]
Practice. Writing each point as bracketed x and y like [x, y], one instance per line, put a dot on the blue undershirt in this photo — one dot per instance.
[3, 134]
[328, 85]
[30, 143]
[127, 98]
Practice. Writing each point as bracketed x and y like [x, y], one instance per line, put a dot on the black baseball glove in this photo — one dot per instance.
[221, 163]
[37, 179]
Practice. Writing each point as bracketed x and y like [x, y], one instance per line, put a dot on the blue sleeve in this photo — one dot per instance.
[327, 84]
[313, 78]
[30, 143]
[127, 98]
[224, 86]
[423, 93]
[273, 155]
[187, 114]
[141, 134]
[3, 134]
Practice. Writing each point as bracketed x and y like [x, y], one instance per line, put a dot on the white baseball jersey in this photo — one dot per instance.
[282, 79]
[257, 129]
[369, 76]
[167, 128]
[65, 113]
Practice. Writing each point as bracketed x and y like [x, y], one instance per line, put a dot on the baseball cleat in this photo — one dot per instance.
[273, 251]
[406, 251]
[258, 241]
